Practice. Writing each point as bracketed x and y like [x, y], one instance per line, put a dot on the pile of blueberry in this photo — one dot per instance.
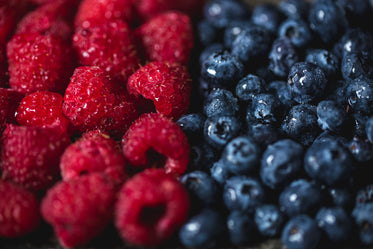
[284, 144]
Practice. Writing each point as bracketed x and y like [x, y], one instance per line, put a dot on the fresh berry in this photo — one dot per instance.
[358, 94]
[80, 209]
[282, 56]
[167, 37]
[331, 116]
[341, 197]
[202, 156]
[241, 228]
[147, 9]
[233, 29]
[364, 195]
[357, 65]
[30, 155]
[267, 15]
[9, 101]
[19, 211]
[220, 172]
[39, 63]
[92, 102]
[325, 59]
[296, 9]
[250, 86]
[363, 217]
[151, 206]
[109, 46]
[94, 152]
[220, 101]
[297, 31]
[354, 40]
[206, 33]
[263, 134]
[265, 109]
[192, 126]
[154, 139]
[167, 85]
[269, 220]
[369, 129]
[280, 89]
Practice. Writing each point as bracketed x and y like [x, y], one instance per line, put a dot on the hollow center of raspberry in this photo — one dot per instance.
[155, 159]
[150, 215]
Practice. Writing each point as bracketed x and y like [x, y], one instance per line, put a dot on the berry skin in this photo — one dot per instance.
[267, 15]
[369, 129]
[364, 195]
[167, 85]
[331, 116]
[354, 40]
[109, 46]
[263, 134]
[250, 86]
[269, 220]
[96, 12]
[325, 59]
[192, 126]
[167, 37]
[206, 33]
[363, 217]
[297, 31]
[94, 152]
[30, 155]
[92, 102]
[341, 197]
[80, 209]
[265, 109]
[295, 9]
[42, 109]
[233, 30]
[23, 221]
[152, 136]
[220, 172]
[357, 65]
[282, 56]
[220, 101]
[151, 206]
[359, 92]
[147, 9]
[241, 228]
[39, 63]
[9, 101]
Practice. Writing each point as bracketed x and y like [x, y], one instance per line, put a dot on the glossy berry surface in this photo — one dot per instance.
[241, 228]
[269, 220]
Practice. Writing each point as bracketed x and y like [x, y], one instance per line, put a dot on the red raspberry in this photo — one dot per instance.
[42, 109]
[167, 85]
[95, 12]
[191, 7]
[94, 152]
[30, 155]
[149, 8]
[9, 101]
[79, 209]
[152, 136]
[167, 37]
[19, 211]
[39, 63]
[150, 208]
[3, 67]
[92, 102]
[109, 46]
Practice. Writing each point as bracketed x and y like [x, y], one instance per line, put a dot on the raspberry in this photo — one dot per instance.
[167, 37]
[152, 136]
[42, 109]
[150, 8]
[19, 211]
[3, 67]
[109, 46]
[9, 101]
[92, 102]
[79, 209]
[150, 208]
[94, 152]
[167, 85]
[39, 63]
[30, 155]
[95, 12]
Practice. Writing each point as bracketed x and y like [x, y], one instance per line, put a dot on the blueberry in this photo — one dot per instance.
[354, 40]
[357, 65]
[369, 129]
[269, 220]
[265, 108]
[267, 15]
[361, 149]
[363, 216]
[341, 197]
[301, 232]
[364, 195]
[207, 33]
[327, 135]
[220, 172]
[243, 193]
[338, 92]
[295, 9]
[357, 11]
[325, 59]
[281, 163]
[328, 162]
[359, 96]
[222, 69]
[327, 19]
[263, 134]
[207, 51]
[241, 155]
[297, 31]
[358, 124]
[282, 56]
[331, 116]
[192, 126]
[306, 82]
[219, 130]
[281, 90]
[233, 30]
[249, 86]
[300, 197]
[241, 228]
[204, 230]
[220, 101]
[201, 156]
[301, 124]
[335, 223]
[253, 43]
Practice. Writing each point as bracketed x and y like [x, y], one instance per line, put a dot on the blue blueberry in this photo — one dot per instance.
[357, 11]
[331, 116]
[263, 134]
[243, 193]
[241, 228]
[357, 65]
[204, 230]
[265, 108]
[359, 96]
[264, 72]
[297, 31]
[208, 50]
[338, 92]
[364, 195]
[361, 149]
[296, 9]
[282, 56]
[341, 197]
[269, 220]
[220, 172]
[354, 40]
[233, 30]
[207, 34]
[192, 126]
[281, 90]
[306, 82]
[363, 216]
[325, 59]
[249, 86]
[335, 223]
[281, 163]
[219, 130]
[201, 156]
[267, 15]
[327, 135]
[241, 155]
[358, 124]
[369, 129]
[300, 197]
[220, 101]
[301, 232]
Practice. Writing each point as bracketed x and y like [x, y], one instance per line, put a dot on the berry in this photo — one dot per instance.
[147, 9]
[267, 15]
[9, 101]
[364, 195]
[325, 59]
[39, 63]
[167, 85]
[263, 134]
[92, 102]
[297, 31]
[30, 155]
[296, 9]
[269, 220]
[233, 29]
[152, 137]
[354, 40]
[250, 86]
[341, 197]
[282, 92]
[192, 126]
[167, 37]
[363, 217]
[3, 67]
[331, 116]
[79, 209]
[356, 65]
[265, 109]
[282, 56]
[361, 149]
[220, 172]
[369, 129]
[220, 101]
[19, 211]
[241, 228]
[109, 46]
[358, 93]
[202, 156]
[150, 208]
